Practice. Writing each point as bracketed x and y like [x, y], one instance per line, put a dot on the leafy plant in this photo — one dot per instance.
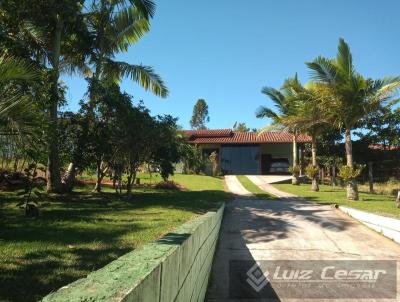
[295, 170]
[312, 171]
[32, 183]
[348, 174]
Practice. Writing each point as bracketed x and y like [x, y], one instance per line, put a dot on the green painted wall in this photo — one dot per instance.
[174, 268]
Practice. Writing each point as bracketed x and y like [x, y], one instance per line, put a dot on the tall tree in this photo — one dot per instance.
[286, 107]
[52, 34]
[349, 97]
[200, 115]
[114, 26]
[382, 127]
[309, 119]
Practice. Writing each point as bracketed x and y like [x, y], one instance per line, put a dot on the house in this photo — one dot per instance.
[248, 152]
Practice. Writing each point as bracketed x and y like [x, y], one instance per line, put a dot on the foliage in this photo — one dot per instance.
[31, 185]
[75, 36]
[295, 170]
[168, 185]
[193, 159]
[347, 173]
[312, 172]
[93, 229]
[241, 127]
[166, 151]
[200, 115]
[383, 127]
[348, 97]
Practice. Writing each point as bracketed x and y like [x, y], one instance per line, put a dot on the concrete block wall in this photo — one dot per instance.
[174, 268]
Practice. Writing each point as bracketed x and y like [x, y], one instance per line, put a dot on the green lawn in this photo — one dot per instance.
[374, 203]
[82, 232]
[253, 188]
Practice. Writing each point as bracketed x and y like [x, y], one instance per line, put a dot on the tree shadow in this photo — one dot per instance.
[81, 232]
[248, 222]
[233, 258]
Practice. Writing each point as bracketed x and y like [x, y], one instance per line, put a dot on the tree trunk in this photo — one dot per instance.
[69, 179]
[295, 175]
[370, 177]
[314, 185]
[333, 176]
[114, 180]
[352, 188]
[314, 182]
[398, 200]
[53, 162]
[129, 186]
[100, 176]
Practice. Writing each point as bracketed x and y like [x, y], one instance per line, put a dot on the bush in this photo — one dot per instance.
[312, 172]
[348, 174]
[294, 170]
[169, 185]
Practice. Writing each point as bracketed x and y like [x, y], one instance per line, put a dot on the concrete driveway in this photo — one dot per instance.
[271, 179]
[290, 229]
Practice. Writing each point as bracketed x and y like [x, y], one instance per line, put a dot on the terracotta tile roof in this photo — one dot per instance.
[227, 136]
[208, 133]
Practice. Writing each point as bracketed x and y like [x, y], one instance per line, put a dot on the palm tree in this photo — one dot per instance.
[113, 27]
[54, 36]
[348, 97]
[309, 119]
[286, 108]
[15, 104]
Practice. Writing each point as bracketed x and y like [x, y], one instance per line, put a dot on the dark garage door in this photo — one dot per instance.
[240, 159]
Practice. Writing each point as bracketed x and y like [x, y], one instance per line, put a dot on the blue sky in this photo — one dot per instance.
[225, 51]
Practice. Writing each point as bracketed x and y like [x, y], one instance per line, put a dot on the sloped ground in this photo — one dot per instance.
[290, 229]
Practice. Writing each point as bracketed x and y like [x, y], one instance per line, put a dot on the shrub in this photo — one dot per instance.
[348, 174]
[169, 185]
[294, 170]
[312, 172]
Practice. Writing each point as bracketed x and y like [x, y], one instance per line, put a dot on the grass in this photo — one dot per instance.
[373, 203]
[387, 188]
[83, 231]
[253, 188]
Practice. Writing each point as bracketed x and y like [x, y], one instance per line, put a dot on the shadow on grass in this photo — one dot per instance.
[47, 271]
[81, 232]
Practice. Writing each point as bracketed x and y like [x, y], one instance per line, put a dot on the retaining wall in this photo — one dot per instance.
[389, 227]
[174, 268]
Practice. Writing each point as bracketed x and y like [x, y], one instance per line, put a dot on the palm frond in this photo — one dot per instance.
[127, 27]
[143, 75]
[13, 69]
[263, 112]
[272, 128]
[146, 7]
[386, 92]
[344, 58]
[323, 70]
